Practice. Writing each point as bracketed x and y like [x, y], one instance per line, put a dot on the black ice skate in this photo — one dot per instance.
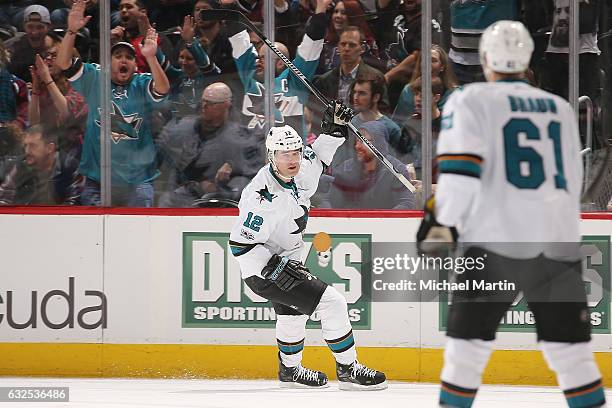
[357, 377]
[300, 377]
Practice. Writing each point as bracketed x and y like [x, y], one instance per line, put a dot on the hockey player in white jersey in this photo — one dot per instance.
[267, 243]
[510, 177]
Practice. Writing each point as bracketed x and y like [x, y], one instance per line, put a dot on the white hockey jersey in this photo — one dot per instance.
[274, 213]
[510, 165]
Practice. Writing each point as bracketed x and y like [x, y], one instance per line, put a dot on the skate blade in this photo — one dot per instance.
[293, 385]
[349, 386]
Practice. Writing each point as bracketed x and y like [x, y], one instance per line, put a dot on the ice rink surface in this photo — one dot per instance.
[123, 393]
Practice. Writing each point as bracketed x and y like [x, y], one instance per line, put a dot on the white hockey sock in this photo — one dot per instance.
[464, 362]
[577, 373]
[290, 334]
[337, 330]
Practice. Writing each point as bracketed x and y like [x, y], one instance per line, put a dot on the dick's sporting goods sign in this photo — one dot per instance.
[596, 276]
[214, 294]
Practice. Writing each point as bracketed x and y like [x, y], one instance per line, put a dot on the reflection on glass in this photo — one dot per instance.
[468, 20]
[592, 89]
[361, 181]
[133, 165]
[201, 140]
[43, 132]
[555, 78]
[355, 75]
[210, 156]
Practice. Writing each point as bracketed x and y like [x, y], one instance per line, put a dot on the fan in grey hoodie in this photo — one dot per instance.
[363, 182]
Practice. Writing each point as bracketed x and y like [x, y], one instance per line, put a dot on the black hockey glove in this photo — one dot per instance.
[433, 238]
[285, 273]
[335, 119]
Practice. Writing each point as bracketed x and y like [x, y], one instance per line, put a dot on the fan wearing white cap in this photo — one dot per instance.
[267, 242]
[509, 186]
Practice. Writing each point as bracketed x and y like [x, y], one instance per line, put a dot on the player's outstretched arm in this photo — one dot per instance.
[334, 127]
[321, 152]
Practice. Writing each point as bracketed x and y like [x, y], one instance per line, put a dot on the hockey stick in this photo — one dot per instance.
[236, 16]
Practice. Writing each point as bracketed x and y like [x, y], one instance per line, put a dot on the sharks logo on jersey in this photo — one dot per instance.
[123, 127]
[289, 93]
[447, 121]
[120, 92]
[265, 194]
[254, 105]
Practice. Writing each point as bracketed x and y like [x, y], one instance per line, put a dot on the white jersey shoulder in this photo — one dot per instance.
[521, 145]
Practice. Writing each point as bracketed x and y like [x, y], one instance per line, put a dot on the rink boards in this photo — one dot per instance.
[157, 294]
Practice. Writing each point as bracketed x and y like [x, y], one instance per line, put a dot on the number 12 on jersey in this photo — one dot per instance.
[253, 222]
[516, 154]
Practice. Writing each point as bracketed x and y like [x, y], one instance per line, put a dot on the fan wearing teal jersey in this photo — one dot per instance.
[289, 93]
[133, 98]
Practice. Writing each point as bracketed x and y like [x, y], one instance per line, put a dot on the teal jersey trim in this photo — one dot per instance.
[464, 167]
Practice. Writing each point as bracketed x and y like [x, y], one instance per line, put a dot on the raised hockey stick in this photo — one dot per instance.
[233, 15]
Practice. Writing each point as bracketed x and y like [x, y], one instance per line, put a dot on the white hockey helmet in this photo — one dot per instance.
[282, 138]
[506, 47]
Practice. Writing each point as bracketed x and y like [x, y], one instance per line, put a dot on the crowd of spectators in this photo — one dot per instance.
[188, 97]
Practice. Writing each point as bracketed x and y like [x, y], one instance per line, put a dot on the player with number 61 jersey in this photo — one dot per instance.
[510, 174]
[500, 138]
